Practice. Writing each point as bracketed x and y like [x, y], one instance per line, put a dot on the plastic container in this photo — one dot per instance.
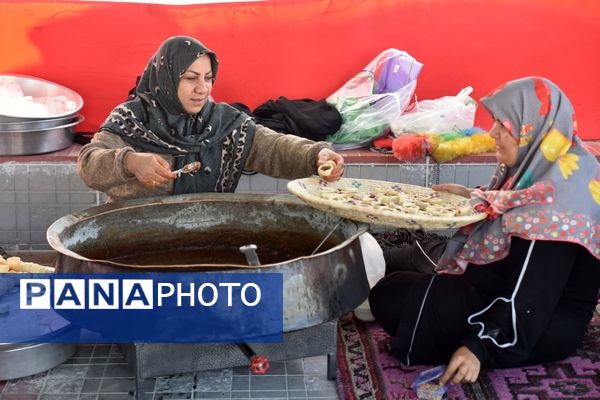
[427, 384]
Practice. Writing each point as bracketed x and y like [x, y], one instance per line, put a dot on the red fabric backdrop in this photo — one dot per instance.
[308, 48]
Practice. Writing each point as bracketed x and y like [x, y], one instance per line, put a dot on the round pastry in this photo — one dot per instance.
[327, 168]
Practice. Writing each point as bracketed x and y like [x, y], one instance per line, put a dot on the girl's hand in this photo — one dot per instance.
[454, 188]
[330, 155]
[151, 170]
[463, 367]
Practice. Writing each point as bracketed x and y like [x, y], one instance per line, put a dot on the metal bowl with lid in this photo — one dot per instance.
[25, 133]
[38, 88]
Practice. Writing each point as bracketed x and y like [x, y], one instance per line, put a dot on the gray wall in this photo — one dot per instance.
[34, 195]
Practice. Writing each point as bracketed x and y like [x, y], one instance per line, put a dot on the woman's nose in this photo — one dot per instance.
[201, 87]
[494, 132]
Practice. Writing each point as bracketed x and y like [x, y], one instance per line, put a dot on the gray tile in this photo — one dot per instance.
[38, 237]
[83, 198]
[63, 198]
[243, 185]
[65, 385]
[318, 382]
[240, 370]
[461, 175]
[22, 198]
[84, 350]
[40, 247]
[183, 383]
[14, 238]
[296, 394]
[115, 351]
[315, 365]
[294, 367]
[95, 371]
[30, 384]
[172, 396]
[68, 372]
[373, 171]
[119, 371]
[282, 185]
[7, 198]
[91, 385]
[101, 350]
[212, 395]
[7, 177]
[240, 395]
[295, 382]
[88, 396]
[21, 176]
[58, 397]
[76, 184]
[240, 383]
[276, 368]
[117, 385]
[79, 361]
[116, 396]
[322, 394]
[352, 171]
[480, 174]
[42, 178]
[41, 217]
[447, 174]
[46, 198]
[214, 380]
[268, 394]
[259, 383]
[6, 396]
[149, 385]
[262, 183]
[8, 218]
[23, 217]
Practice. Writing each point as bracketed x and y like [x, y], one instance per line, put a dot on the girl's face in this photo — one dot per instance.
[507, 147]
[195, 85]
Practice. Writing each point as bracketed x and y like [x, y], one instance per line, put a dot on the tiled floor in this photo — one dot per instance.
[100, 372]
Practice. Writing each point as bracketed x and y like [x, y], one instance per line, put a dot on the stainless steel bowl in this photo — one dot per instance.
[38, 124]
[38, 137]
[37, 87]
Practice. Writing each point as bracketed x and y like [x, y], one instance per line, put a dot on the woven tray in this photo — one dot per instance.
[307, 189]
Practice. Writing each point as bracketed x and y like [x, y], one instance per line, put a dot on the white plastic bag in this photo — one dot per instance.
[446, 114]
[374, 97]
[375, 269]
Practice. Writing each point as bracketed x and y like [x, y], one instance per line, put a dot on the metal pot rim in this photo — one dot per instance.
[55, 230]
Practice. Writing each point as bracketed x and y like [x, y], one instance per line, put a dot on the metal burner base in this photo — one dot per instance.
[19, 360]
[158, 359]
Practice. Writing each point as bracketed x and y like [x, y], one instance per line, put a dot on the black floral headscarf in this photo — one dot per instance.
[219, 136]
[551, 193]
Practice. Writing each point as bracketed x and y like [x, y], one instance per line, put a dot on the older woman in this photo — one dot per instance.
[519, 287]
[171, 122]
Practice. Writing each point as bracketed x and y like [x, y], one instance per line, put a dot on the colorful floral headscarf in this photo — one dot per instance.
[552, 192]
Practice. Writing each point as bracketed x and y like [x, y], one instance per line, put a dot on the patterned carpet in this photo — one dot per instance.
[367, 371]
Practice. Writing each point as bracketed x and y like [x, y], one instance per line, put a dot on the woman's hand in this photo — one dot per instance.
[463, 367]
[454, 188]
[327, 155]
[151, 170]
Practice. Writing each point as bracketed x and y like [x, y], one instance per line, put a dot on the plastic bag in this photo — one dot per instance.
[374, 97]
[449, 113]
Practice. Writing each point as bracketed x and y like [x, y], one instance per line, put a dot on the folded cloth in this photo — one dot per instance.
[305, 118]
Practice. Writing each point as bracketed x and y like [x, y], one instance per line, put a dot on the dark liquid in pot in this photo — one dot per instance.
[215, 247]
